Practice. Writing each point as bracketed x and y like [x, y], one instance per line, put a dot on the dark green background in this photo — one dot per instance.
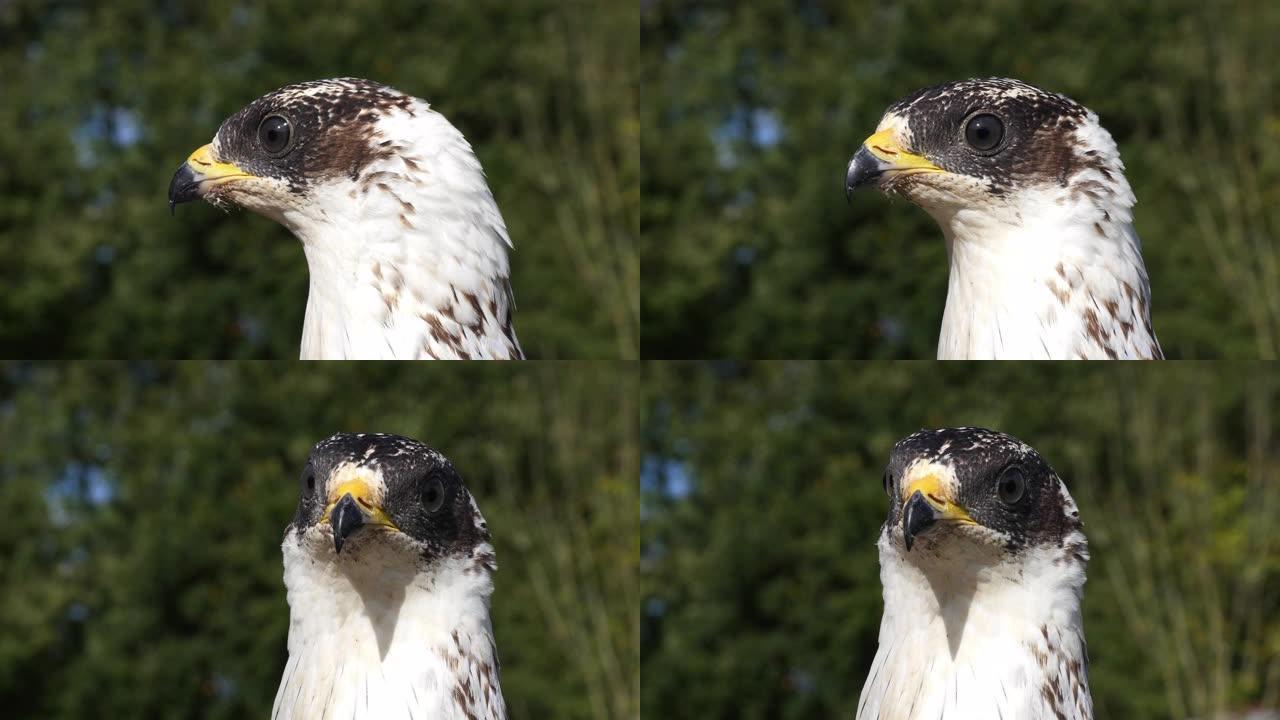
[101, 102]
[753, 110]
[142, 508]
[762, 503]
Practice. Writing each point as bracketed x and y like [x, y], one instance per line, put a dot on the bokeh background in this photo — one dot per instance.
[761, 504]
[753, 110]
[143, 507]
[100, 102]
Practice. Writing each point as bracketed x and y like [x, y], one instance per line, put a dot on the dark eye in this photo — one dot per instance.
[1012, 486]
[888, 481]
[984, 132]
[274, 133]
[308, 481]
[433, 495]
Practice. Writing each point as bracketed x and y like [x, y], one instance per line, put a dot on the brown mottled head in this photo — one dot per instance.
[405, 242]
[280, 146]
[310, 131]
[361, 489]
[981, 140]
[983, 484]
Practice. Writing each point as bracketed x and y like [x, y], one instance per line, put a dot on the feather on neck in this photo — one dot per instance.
[409, 259]
[381, 640]
[1056, 273]
[965, 637]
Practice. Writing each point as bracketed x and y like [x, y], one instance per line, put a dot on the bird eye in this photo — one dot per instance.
[275, 134]
[888, 480]
[984, 132]
[309, 481]
[1012, 486]
[433, 495]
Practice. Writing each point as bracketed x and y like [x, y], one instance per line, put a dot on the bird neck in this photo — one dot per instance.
[381, 640]
[406, 267]
[1045, 279]
[973, 583]
[982, 622]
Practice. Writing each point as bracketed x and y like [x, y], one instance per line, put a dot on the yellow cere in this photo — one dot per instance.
[884, 145]
[203, 163]
[929, 483]
[364, 497]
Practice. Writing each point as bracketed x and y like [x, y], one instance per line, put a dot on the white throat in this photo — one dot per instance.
[370, 640]
[974, 644]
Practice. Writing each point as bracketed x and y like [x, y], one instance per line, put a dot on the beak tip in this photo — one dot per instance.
[917, 516]
[345, 518]
[864, 169]
[184, 187]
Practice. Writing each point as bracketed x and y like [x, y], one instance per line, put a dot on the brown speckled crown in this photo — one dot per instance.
[979, 457]
[1039, 144]
[333, 122]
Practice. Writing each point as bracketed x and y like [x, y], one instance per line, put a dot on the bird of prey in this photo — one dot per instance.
[405, 244]
[1037, 215]
[388, 568]
[982, 559]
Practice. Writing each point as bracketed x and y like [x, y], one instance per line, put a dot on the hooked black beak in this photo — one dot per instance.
[203, 169]
[183, 186]
[345, 518]
[864, 169]
[917, 516]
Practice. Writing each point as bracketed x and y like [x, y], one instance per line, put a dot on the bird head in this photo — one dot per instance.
[976, 492]
[331, 154]
[994, 146]
[389, 497]
[406, 247]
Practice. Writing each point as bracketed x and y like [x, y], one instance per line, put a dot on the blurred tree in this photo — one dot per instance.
[748, 250]
[140, 570]
[102, 101]
[761, 503]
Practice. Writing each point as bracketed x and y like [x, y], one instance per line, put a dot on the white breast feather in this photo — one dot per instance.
[379, 645]
[410, 259]
[1005, 642]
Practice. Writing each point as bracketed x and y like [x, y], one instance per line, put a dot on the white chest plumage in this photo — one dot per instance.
[997, 643]
[368, 643]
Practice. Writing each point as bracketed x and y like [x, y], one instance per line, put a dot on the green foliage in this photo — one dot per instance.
[101, 102]
[750, 251]
[761, 503]
[140, 570]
